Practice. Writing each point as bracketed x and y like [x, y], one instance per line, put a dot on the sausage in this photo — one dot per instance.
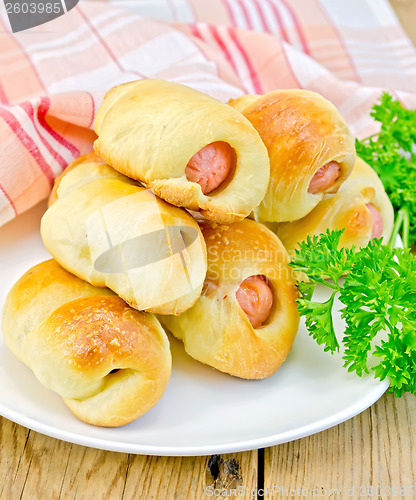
[256, 299]
[325, 177]
[377, 230]
[210, 166]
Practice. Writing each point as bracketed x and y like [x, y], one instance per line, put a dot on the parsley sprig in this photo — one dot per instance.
[378, 294]
[392, 154]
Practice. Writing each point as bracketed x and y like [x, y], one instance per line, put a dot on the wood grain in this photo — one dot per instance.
[376, 448]
[33, 466]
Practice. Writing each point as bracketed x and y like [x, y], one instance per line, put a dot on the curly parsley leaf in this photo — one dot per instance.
[321, 252]
[312, 257]
[318, 320]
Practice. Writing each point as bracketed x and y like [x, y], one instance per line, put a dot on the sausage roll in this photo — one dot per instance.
[310, 147]
[109, 231]
[246, 319]
[192, 150]
[361, 207]
[110, 363]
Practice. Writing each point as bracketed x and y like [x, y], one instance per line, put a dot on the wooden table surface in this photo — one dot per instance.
[373, 453]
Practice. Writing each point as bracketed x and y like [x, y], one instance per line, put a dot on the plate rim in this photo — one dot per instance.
[201, 450]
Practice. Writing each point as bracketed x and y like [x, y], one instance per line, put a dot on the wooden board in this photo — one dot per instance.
[33, 466]
[374, 449]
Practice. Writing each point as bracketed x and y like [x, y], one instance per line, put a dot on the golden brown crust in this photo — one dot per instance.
[150, 129]
[95, 206]
[97, 334]
[216, 331]
[344, 210]
[35, 296]
[302, 132]
[72, 335]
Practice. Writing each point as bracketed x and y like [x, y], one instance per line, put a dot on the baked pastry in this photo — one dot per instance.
[246, 319]
[110, 363]
[109, 231]
[361, 207]
[310, 147]
[192, 150]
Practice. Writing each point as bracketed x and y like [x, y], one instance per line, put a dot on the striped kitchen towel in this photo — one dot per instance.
[53, 77]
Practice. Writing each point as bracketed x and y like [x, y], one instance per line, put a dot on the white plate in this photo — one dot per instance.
[202, 411]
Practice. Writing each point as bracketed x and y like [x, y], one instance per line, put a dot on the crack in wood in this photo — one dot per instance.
[223, 473]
